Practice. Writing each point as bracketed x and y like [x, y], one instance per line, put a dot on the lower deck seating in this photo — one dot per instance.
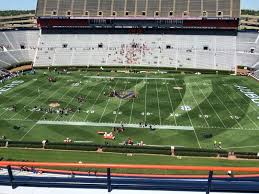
[178, 51]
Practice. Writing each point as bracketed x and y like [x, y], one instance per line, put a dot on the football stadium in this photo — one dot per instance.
[120, 84]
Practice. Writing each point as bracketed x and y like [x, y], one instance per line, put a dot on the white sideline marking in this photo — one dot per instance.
[43, 122]
[254, 146]
[146, 78]
[256, 41]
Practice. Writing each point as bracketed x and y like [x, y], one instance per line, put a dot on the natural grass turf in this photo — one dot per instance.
[213, 99]
[113, 158]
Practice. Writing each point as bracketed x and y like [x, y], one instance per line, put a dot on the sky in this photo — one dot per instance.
[31, 4]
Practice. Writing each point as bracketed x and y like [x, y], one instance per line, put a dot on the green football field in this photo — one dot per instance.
[185, 110]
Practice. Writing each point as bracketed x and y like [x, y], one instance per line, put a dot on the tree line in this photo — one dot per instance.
[16, 12]
[250, 12]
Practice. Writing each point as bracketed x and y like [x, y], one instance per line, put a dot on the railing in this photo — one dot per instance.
[110, 181]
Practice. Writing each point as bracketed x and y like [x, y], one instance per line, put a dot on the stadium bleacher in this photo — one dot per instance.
[200, 52]
[18, 46]
[178, 51]
[143, 8]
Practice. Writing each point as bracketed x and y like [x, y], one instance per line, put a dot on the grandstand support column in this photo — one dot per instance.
[217, 7]
[188, 6]
[38, 44]
[174, 6]
[84, 7]
[11, 177]
[112, 5]
[99, 4]
[209, 182]
[125, 6]
[58, 7]
[109, 182]
[202, 7]
[136, 7]
[231, 8]
[44, 8]
[72, 6]
[146, 6]
[159, 9]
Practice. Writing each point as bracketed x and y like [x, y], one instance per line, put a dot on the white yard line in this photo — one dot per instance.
[189, 117]
[46, 100]
[24, 96]
[71, 98]
[95, 101]
[239, 108]
[120, 104]
[27, 132]
[159, 113]
[253, 146]
[226, 108]
[41, 116]
[257, 39]
[184, 103]
[146, 101]
[147, 78]
[132, 104]
[169, 95]
[198, 105]
[39, 96]
[44, 122]
[108, 101]
[210, 104]
[89, 92]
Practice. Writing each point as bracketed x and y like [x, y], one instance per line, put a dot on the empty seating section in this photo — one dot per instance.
[130, 7]
[182, 6]
[78, 7]
[178, 8]
[92, 7]
[195, 8]
[247, 49]
[50, 6]
[153, 7]
[64, 7]
[167, 7]
[223, 6]
[141, 7]
[119, 7]
[18, 46]
[105, 7]
[210, 7]
[179, 51]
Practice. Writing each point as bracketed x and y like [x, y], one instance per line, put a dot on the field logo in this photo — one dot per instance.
[10, 86]
[186, 108]
[250, 94]
[75, 84]
[178, 88]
